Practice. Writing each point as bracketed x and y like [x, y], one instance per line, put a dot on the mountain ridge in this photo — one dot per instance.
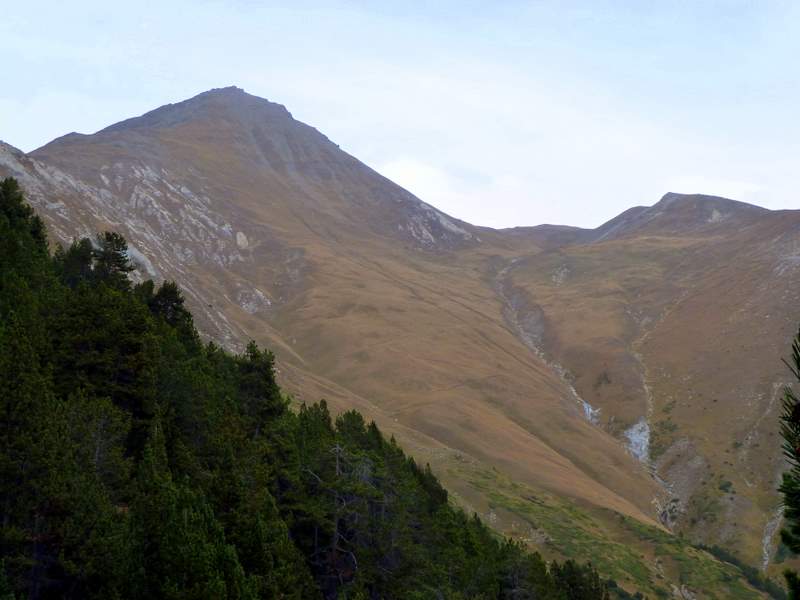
[232, 97]
[463, 340]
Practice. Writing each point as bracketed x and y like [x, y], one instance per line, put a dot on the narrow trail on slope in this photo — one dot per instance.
[529, 329]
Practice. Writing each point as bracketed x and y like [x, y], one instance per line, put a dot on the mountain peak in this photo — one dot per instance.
[675, 199]
[230, 90]
[230, 103]
[240, 137]
[671, 197]
[678, 214]
[704, 208]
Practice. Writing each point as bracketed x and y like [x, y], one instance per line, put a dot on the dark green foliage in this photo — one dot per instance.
[620, 593]
[111, 263]
[74, 265]
[790, 487]
[167, 303]
[580, 583]
[6, 591]
[136, 462]
[751, 574]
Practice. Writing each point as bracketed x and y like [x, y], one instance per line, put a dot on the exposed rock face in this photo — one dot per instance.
[630, 367]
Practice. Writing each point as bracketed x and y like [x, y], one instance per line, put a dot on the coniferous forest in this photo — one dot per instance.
[137, 461]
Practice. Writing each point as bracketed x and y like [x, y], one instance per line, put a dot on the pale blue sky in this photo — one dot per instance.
[500, 113]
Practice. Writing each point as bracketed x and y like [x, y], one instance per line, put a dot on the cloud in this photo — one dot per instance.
[470, 197]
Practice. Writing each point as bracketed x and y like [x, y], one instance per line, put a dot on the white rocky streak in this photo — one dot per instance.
[140, 259]
[560, 275]
[450, 226]
[769, 533]
[640, 431]
[638, 436]
[253, 300]
[429, 226]
[511, 312]
[591, 413]
[169, 226]
[786, 263]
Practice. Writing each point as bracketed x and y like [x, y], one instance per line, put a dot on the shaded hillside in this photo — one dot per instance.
[138, 462]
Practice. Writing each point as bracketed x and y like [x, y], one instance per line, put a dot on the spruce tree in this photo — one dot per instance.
[790, 487]
[112, 263]
[179, 550]
[74, 265]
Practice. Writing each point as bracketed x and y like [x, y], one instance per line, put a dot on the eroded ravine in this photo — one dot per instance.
[526, 320]
[638, 434]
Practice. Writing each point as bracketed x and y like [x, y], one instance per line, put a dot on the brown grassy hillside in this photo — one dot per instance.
[530, 353]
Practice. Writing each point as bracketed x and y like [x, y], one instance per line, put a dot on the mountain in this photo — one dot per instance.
[629, 370]
[672, 321]
[138, 462]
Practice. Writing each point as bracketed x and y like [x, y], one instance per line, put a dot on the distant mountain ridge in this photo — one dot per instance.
[674, 214]
[475, 347]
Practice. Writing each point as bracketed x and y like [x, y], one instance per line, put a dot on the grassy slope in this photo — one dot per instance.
[636, 311]
[638, 557]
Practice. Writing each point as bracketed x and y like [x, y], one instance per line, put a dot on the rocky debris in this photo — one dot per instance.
[638, 436]
[684, 469]
[768, 541]
[683, 592]
[252, 300]
[527, 321]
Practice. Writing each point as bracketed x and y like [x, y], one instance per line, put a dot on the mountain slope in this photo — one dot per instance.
[672, 321]
[139, 463]
[282, 237]
[474, 347]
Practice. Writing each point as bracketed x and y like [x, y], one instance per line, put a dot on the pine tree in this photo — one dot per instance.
[6, 591]
[111, 261]
[790, 487]
[179, 547]
[260, 395]
[74, 265]
[167, 303]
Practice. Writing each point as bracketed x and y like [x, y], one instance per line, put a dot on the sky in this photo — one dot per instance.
[499, 113]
